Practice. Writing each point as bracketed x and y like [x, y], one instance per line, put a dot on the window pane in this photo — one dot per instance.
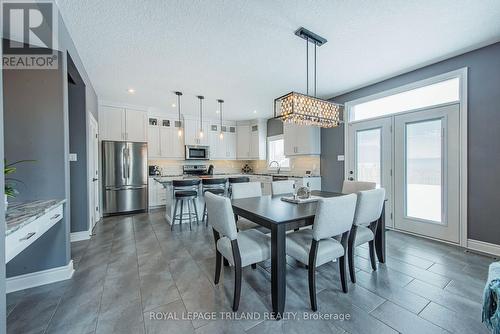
[438, 93]
[277, 152]
[368, 155]
[423, 170]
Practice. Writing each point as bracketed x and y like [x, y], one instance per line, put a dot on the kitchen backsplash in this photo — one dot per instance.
[299, 165]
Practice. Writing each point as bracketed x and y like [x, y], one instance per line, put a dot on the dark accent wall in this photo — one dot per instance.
[274, 127]
[34, 129]
[77, 145]
[483, 135]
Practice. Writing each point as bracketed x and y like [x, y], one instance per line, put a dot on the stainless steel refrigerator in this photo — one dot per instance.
[125, 174]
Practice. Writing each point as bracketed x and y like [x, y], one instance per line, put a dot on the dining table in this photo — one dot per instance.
[279, 217]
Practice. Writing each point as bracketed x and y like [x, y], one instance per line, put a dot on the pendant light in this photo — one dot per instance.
[303, 109]
[200, 97]
[221, 135]
[179, 94]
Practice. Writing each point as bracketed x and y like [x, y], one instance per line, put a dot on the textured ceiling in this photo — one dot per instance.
[245, 52]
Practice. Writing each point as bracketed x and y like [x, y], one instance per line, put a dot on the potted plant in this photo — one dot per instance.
[10, 182]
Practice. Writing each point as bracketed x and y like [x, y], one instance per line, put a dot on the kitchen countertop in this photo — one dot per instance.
[21, 214]
[225, 174]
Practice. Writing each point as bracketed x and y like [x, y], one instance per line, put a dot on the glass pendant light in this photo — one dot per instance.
[179, 94]
[221, 135]
[201, 115]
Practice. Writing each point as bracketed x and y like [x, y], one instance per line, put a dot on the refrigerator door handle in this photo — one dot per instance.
[124, 163]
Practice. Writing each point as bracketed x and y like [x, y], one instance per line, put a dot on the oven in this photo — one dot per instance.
[197, 152]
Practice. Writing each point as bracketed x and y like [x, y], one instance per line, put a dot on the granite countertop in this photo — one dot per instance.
[170, 178]
[21, 214]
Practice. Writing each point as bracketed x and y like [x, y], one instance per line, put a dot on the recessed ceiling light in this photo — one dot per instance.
[131, 91]
[255, 111]
[173, 105]
[217, 111]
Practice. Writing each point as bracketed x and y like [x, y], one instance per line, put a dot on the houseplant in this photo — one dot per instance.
[10, 182]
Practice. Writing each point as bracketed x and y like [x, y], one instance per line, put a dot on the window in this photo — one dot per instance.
[426, 96]
[276, 152]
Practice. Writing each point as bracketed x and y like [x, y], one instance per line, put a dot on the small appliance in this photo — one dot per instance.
[154, 170]
[196, 152]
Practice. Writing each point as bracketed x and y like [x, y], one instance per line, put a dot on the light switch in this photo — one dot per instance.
[340, 158]
[73, 157]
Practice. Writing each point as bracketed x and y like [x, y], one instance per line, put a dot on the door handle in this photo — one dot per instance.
[29, 235]
[94, 179]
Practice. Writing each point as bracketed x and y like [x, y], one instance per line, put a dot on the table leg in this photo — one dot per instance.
[380, 237]
[278, 269]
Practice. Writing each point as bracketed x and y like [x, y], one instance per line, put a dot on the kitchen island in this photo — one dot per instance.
[264, 178]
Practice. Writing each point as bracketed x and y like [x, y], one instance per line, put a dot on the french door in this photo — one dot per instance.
[370, 157]
[426, 164]
[415, 157]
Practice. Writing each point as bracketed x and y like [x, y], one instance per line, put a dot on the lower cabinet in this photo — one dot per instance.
[156, 193]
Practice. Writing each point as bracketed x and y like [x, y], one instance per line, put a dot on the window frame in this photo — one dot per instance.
[268, 157]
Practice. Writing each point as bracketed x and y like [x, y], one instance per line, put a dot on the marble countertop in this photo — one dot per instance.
[21, 214]
[169, 178]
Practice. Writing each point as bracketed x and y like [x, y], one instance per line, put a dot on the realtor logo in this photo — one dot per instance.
[29, 34]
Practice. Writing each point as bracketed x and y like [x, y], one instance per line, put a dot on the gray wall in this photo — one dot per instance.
[2, 214]
[274, 127]
[78, 146]
[34, 129]
[483, 135]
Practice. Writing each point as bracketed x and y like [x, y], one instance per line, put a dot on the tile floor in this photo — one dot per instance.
[135, 271]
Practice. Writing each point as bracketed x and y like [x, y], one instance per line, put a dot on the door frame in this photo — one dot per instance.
[90, 185]
[461, 74]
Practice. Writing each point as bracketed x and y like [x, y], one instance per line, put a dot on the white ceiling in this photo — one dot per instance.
[246, 53]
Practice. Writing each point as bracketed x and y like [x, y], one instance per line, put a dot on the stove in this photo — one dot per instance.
[195, 170]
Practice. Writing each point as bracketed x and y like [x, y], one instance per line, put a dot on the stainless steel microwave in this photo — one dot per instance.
[197, 152]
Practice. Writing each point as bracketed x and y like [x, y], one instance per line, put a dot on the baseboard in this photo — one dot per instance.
[38, 278]
[79, 236]
[484, 247]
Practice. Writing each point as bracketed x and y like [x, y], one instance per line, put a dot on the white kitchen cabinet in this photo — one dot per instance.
[243, 142]
[225, 148]
[156, 193]
[122, 124]
[192, 132]
[301, 139]
[163, 138]
[231, 146]
[258, 140]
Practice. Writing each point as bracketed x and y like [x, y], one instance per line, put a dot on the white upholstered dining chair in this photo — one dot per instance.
[368, 212]
[350, 187]
[240, 249]
[246, 190]
[282, 187]
[317, 246]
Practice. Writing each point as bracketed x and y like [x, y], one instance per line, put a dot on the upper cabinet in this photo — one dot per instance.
[222, 148]
[122, 124]
[163, 138]
[192, 132]
[301, 139]
[251, 140]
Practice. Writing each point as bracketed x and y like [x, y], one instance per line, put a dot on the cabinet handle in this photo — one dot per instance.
[55, 216]
[29, 235]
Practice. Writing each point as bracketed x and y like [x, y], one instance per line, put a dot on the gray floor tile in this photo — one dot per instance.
[451, 320]
[162, 319]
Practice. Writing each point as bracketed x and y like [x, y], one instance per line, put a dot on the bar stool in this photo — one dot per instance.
[240, 179]
[185, 190]
[214, 186]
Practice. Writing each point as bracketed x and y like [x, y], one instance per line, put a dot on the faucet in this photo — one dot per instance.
[277, 163]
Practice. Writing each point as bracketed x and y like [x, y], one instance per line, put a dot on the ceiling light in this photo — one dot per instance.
[131, 91]
[255, 111]
[173, 105]
[179, 94]
[201, 115]
[217, 111]
[304, 109]
[221, 134]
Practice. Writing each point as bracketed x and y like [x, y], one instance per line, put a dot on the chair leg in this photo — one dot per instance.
[237, 275]
[226, 262]
[189, 215]
[180, 216]
[371, 246]
[312, 275]
[173, 216]
[254, 265]
[196, 212]
[204, 215]
[350, 252]
[343, 277]
[218, 258]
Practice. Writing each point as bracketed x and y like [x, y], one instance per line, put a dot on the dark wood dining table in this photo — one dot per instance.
[280, 216]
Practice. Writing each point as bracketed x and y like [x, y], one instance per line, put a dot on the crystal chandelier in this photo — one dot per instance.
[303, 109]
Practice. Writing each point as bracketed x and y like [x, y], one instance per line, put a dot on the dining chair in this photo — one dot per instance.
[368, 211]
[240, 249]
[350, 187]
[317, 246]
[215, 186]
[236, 179]
[246, 190]
[283, 187]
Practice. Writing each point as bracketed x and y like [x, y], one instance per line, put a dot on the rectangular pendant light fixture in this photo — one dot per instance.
[303, 109]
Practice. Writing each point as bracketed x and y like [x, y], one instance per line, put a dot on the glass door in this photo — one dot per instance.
[370, 156]
[426, 164]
